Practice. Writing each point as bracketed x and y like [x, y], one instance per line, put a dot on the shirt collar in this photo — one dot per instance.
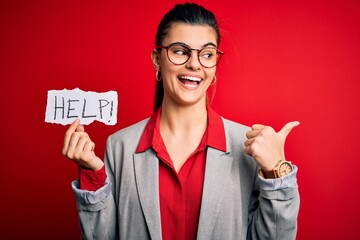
[215, 131]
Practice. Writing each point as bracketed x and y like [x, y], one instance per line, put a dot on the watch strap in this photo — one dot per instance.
[268, 174]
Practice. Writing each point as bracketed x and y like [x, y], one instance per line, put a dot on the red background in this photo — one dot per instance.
[284, 60]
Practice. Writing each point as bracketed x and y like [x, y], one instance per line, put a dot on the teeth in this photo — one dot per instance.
[190, 78]
[191, 86]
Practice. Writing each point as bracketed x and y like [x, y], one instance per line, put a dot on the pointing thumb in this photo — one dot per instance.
[287, 128]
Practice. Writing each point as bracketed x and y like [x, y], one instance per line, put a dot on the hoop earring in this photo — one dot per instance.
[158, 76]
[214, 81]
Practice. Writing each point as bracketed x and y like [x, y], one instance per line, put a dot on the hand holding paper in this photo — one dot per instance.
[79, 147]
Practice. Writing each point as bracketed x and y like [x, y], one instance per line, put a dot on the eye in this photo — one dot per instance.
[180, 51]
[207, 53]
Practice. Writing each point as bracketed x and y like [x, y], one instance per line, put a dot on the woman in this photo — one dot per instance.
[186, 173]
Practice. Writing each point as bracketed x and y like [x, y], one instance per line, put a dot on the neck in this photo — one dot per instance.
[177, 120]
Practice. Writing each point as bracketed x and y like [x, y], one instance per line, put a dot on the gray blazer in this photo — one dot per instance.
[236, 202]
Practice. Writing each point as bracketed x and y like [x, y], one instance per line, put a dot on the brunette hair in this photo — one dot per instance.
[190, 13]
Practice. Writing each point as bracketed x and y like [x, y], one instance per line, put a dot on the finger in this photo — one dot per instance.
[249, 142]
[249, 151]
[75, 141]
[89, 147]
[288, 127]
[80, 128]
[92, 161]
[252, 134]
[69, 133]
[69, 150]
[257, 126]
[80, 145]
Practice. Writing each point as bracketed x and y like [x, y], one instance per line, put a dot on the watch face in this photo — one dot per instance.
[285, 168]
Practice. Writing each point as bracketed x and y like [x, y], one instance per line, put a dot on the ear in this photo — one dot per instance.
[155, 59]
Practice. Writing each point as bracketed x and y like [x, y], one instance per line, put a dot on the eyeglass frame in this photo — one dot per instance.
[218, 52]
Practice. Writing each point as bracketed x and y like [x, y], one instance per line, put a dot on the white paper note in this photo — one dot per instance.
[64, 106]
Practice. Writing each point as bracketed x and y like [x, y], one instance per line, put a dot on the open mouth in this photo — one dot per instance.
[190, 81]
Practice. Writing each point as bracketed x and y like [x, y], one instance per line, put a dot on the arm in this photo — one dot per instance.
[275, 203]
[274, 208]
[97, 211]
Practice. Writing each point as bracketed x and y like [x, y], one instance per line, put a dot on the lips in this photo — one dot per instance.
[190, 81]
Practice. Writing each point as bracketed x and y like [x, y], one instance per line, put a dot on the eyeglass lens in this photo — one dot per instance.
[179, 54]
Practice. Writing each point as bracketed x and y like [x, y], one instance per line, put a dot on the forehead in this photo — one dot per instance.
[193, 35]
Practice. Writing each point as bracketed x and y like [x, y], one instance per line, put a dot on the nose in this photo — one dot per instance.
[193, 63]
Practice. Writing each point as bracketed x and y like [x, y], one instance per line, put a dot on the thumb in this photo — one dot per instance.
[80, 128]
[287, 128]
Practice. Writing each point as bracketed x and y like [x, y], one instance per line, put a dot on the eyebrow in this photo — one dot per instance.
[203, 46]
[209, 44]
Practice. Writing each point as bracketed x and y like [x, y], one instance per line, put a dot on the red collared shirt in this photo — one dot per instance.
[180, 193]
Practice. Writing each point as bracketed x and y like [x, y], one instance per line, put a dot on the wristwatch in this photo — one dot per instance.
[281, 169]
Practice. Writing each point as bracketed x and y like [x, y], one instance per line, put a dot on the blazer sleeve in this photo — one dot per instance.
[274, 208]
[97, 209]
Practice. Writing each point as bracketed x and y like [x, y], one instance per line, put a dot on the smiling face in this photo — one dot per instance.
[186, 84]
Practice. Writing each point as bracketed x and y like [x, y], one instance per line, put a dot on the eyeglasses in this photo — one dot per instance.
[180, 53]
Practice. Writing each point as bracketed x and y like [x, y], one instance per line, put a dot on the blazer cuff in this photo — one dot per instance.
[85, 197]
[288, 181]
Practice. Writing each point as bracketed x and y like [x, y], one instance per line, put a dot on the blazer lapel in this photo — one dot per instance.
[217, 172]
[147, 180]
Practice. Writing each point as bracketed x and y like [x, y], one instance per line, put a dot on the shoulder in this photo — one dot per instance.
[130, 133]
[235, 138]
[235, 130]
[235, 134]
